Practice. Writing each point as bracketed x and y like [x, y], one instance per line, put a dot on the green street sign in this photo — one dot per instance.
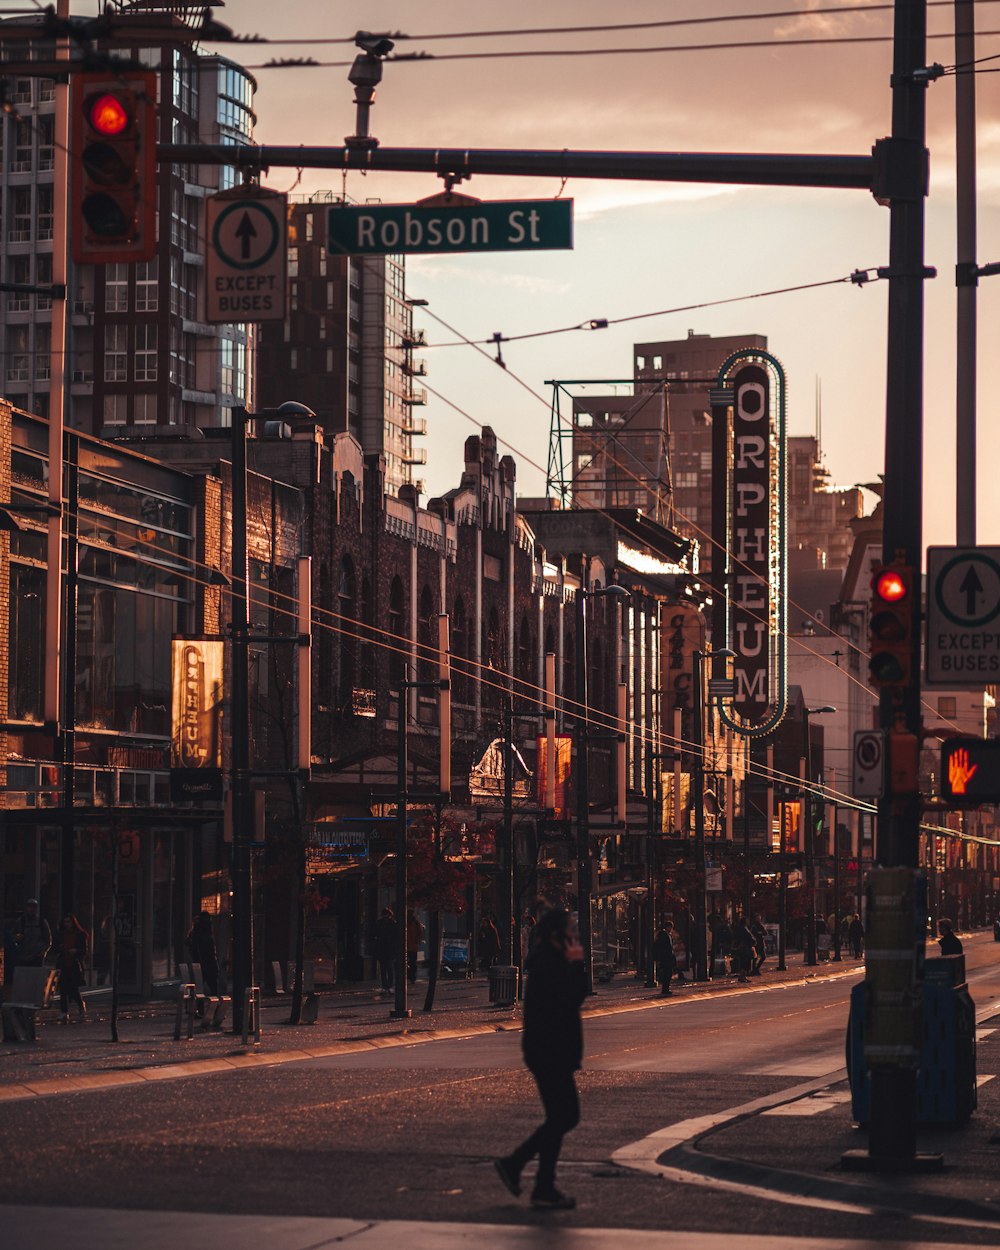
[492, 226]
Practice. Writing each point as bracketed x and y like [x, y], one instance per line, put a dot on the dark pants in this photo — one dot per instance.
[664, 972]
[386, 968]
[411, 966]
[557, 1089]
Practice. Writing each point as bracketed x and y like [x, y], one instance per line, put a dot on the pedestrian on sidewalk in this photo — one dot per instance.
[663, 955]
[102, 951]
[71, 960]
[488, 942]
[743, 947]
[201, 944]
[552, 1042]
[949, 941]
[759, 946]
[856, 935]
[33, 936]
[386, 937]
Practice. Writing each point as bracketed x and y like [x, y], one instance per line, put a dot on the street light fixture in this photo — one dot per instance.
[701, 908]
[242, 814]
[810, 834]
[584, 871]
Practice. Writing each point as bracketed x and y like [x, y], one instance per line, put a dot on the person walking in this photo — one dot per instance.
[856, 935]
[759, 946]
[949, 941]
[552, 1043]
[201, 944]
[71, 958]
[663, 955]
[33, 936]
[386, 937]
[489, 943]
[743, 948]
[102, 951]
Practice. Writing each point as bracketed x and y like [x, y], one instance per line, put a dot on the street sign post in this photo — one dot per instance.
[868, 772]
[245, 261]
[963, 616]
[481, 226]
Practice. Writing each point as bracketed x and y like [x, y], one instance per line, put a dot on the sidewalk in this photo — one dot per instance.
[78, 1055]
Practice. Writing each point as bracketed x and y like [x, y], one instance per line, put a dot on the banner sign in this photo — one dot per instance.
[196, 724]
[564, 762]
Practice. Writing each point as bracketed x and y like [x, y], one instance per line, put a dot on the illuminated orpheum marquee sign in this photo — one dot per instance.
[757, 542]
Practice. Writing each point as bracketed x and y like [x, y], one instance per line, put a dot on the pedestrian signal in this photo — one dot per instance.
[890, 627]
[970, 771]
[113, 167]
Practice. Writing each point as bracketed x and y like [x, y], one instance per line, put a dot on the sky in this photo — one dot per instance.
[649, 248]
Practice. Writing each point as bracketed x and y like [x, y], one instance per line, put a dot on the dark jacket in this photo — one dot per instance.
[950, 944]
[386, 938]
[553, 1036]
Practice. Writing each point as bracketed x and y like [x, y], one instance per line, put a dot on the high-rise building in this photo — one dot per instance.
[346, 347]
[689, 367]
[139, 351]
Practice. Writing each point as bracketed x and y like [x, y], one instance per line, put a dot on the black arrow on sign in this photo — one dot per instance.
[245, 231]
[971, 587]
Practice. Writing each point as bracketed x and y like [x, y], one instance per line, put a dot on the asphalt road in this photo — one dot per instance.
[409, 1133]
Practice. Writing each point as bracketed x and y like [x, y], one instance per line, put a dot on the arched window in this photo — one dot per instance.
[525, 659]
[492, 675]
[367, 635]
[346, 624]
[426, 637]
[459, 652]
[397, 630]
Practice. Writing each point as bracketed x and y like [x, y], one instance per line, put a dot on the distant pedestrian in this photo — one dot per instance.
[856, 935]
[948, 941]
[663, 954]
[386, 940]
[71, 960]
[743, 947]
[552, 1042]
[102, 951]
[414, 936]
[488, 942]
[33, 936]
[201, 944]
[759, 946]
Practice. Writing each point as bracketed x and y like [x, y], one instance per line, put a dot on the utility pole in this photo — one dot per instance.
[966, 273]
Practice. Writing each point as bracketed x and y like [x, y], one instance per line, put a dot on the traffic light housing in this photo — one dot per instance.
[890, 626]
[113, 167]
[970, 771]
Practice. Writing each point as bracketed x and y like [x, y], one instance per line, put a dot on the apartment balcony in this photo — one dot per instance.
[416, 457]
[415, 426]
[415, 398]
[415, 368]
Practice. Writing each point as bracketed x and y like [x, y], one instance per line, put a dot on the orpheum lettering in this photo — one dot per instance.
[191, 748]
[751, 486]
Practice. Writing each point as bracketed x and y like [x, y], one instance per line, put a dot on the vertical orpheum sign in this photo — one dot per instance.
[756, 542]
[196, 724]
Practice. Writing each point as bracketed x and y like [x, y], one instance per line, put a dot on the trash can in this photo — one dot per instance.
[503, 985]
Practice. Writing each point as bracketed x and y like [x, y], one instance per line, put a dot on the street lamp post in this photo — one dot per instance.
[810, 834]
[701, 909]
[584, 868]
[242, 816]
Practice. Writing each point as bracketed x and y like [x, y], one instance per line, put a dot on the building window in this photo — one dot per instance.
[116, 288]
[116, 353]
[43, 353]
[46, 142]
[43, 277]
[17, 353]
[23, 141]
[293, 262]
[19, 271]
[397, 628]
[115, 409]
[145, 351]
[45, 210]
[20, 216]
[947, 707]
[145, 410]
[147, 276]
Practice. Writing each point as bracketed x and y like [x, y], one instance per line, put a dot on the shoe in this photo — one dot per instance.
[552, 1200]
[64, 1018]
[508, 1177]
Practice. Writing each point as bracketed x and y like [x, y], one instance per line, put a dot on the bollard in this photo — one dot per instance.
[185, 1006]
[251, 1010]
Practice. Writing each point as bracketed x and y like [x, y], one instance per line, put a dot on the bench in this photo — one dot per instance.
[211, 1008]
[30, 992]
[285, 984]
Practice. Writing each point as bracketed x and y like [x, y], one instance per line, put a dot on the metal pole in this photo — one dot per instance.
[966, 276]
[240, 708]
[584, 867]
[701, 960]
[807, 833]
[782, 887]
[832, 782]
[650, 871]
[748, 867]
[400, 1010]
[507, 950]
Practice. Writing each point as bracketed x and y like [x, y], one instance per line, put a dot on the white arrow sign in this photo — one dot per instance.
[963, 616]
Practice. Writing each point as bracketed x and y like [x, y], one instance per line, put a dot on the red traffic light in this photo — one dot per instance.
[890, 586]
[891, 626]
[108, 115]
[970, 771]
